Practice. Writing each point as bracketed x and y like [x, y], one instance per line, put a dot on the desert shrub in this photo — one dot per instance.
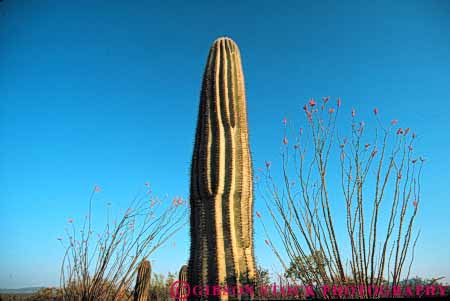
[336, 176]
[102, 265]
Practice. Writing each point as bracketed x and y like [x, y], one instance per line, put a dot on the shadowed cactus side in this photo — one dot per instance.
[182, 278]
[221, 190]
[142, 288]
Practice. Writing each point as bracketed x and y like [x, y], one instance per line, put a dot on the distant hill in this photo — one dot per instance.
[24, 290]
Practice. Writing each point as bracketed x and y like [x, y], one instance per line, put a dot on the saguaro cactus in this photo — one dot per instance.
[182, 278]
[142, 288]
[221, 191]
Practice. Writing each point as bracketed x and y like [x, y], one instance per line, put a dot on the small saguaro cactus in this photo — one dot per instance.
[142, 288]
[182, 278]
[221, 190]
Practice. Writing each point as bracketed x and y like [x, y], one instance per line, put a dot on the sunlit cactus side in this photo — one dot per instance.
[182, 278]
[221, 191]
[142, 288]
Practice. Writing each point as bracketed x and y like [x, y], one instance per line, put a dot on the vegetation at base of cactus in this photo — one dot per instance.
[142, 288]
[221, 190]
[262, 277]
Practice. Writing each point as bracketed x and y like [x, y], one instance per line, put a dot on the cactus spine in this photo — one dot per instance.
[221, 191]
[142, 288]
[182, 278]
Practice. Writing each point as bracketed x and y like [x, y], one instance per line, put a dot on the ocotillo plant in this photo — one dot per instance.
[142, 288]
[221, 191]
[182, 278]
[372, 179]
[104, 266]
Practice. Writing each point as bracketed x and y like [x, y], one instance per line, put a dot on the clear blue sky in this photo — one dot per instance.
[106, 92]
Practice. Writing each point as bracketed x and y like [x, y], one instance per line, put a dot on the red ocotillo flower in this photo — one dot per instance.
[367, 145]
[331, 111]
[127, 212]
[353, 112]
[375, 111]
[339, 102]
[407, 131]
[284, 121]
[394, 121]
[305, 108]
[267, 164]
[415, 203]
[285, 141]
[312, 102]
[374, 152]
[399, 131]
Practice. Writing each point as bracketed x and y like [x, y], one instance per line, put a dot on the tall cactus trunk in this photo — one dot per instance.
[142, 288]
[221, 191]
[182, 278]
